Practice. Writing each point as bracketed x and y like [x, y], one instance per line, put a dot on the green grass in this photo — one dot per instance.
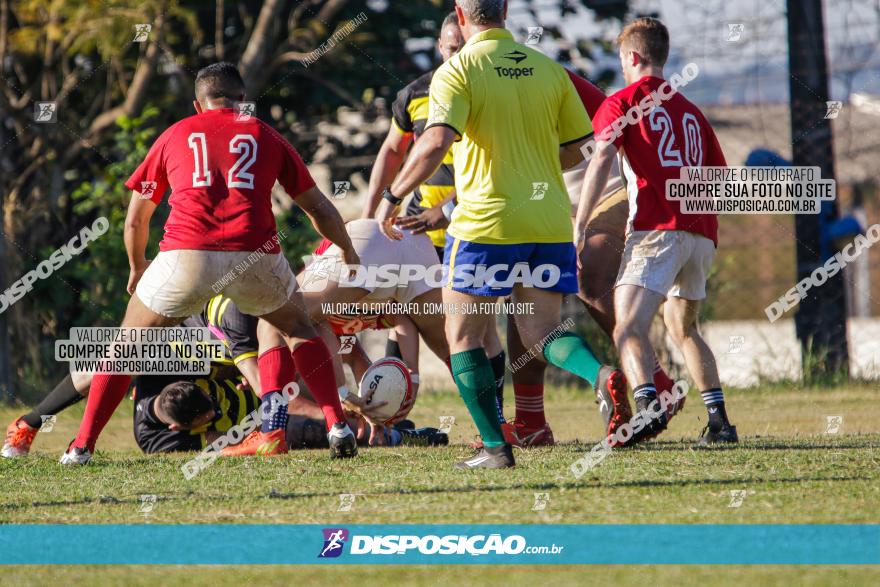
[450, 576]
[791, 470]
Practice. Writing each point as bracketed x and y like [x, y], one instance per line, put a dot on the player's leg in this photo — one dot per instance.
[432, 325]
[540, 328]
[636, 307]
[20, 434]
[314, 363]
[106, 391]
[474, 378]
[529, 427]
[176, 284]
[276, 372]
[498, 362]
[680, 314]
[650, 268]
[599, 262]
[562, 348]
[270, 293]
[598, 266]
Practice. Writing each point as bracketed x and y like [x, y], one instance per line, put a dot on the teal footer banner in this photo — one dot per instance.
[788, 544]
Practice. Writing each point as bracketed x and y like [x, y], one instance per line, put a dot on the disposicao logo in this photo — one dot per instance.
[334, 540]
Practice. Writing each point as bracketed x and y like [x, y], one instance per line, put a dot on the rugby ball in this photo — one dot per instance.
[387, 380]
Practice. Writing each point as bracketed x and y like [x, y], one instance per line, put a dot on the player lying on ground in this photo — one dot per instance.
[187, 415]
[221, 168]
[517, 132]
[667, 254]
[433, 200]
[237, 332]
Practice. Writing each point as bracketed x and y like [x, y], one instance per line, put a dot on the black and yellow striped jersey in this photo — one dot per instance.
[237, 331]
[410, 113]
[152, 436]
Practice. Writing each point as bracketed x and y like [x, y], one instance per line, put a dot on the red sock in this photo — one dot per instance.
[662, 381]
[105, 394]
[315, 366]
[529, 404]
[276, 369]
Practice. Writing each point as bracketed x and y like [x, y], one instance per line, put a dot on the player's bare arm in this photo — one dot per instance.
[327, 221]
[357, 360]
[570, 154]
[594, 184]
[136, 235]
[388, 162]
[426, 157]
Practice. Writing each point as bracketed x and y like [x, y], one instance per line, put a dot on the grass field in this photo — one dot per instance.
[791, 470]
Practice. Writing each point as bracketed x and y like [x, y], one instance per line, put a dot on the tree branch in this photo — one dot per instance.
[256, 53]
[137, 90]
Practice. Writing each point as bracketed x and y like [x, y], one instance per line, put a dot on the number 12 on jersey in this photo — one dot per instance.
[239, 175]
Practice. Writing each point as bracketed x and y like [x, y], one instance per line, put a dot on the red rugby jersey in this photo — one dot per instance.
[590, 95]
[673, 135]
[221, 168]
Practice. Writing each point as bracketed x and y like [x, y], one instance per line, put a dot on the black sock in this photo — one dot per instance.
[499, 364]
[644, 395]
[62, 397]
[714, 400]
[392, 349]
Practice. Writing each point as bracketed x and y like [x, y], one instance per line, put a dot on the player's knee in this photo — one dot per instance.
[621, 333]
[300, 327]
[680, 331]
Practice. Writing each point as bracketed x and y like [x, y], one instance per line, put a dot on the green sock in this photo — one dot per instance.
[476, 384]
[572, 353]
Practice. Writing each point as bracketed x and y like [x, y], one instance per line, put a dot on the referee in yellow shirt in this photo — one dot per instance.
[520, 122]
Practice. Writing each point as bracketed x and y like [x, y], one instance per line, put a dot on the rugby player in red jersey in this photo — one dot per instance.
[598, 262]
[221, 165]
[668, 254]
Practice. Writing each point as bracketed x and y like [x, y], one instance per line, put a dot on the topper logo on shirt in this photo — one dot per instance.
[516, 56]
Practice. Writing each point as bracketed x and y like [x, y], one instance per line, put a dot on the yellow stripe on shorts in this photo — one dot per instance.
[452, 254]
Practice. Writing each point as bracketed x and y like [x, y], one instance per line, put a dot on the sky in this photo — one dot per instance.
[751, 67]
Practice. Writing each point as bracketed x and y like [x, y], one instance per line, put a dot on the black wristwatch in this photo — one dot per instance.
[387, 195]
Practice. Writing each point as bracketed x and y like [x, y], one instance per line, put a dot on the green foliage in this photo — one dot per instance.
[102, 300]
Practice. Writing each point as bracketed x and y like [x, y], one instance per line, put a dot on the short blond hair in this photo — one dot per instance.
[648, 37]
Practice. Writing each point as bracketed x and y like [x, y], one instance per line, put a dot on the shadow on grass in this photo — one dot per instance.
[593, 483]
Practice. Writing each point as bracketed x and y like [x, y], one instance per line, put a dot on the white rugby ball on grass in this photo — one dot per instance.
[387, 380]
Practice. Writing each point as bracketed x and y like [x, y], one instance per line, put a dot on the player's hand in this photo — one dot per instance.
[377, 434]
[134, 276]
[359, 406]
[430, 219]
[385, 214]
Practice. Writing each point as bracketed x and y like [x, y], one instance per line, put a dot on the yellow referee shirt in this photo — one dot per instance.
[512, 107]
